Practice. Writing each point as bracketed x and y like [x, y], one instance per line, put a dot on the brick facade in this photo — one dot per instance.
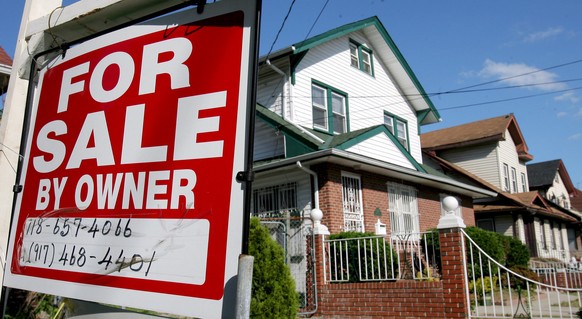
[375, 199]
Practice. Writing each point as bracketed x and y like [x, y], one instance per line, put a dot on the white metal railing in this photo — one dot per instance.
[568, 275]
[379, 258]
[494, 291]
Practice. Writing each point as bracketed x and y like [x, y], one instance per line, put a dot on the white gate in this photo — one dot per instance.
[494, 291]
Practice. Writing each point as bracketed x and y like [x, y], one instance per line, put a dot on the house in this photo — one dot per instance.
[5, 69]
[492, 153]
[338, 125]
[551, 179]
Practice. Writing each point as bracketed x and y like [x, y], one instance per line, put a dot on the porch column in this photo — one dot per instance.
[454, 268]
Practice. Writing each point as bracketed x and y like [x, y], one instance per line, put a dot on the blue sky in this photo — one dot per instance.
[456, 44]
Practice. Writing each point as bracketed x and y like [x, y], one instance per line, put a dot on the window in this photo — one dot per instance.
[352, 202]
[398, 127]
[361, 57]
[523, 183]
[506, 178]
[329, 109]
[543, 244]
[553, 237]
[486, 224]
[279, 201]
[403, 207]
[514, 180]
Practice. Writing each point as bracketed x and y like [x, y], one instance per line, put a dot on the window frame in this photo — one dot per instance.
[523, 183]
[360, 51]
[358, 206]
[394, 128]
[514, 180]
[275, 194]
[329, 93]
[506, 184]
[398, 218]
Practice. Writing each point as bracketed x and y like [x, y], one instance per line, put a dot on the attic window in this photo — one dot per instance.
[361, 57]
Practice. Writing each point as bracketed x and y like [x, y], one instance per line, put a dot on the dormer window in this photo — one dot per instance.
[361, 57]
[398, 127]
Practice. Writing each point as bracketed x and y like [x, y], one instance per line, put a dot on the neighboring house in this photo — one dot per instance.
[553, 182]
[492, 153]
[5, 69]
[336, 130]
[576, 201]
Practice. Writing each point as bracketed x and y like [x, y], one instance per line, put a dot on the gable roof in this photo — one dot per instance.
[529, 202]
[386, 50]
[5, 69]
[308, 140]
[5, 58]
[475, 133]
[541, 175]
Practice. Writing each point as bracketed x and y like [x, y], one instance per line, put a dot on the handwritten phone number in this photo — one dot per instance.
[66, 255]
[73, 226]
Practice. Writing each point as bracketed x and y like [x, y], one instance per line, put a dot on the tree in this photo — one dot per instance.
[273, 294]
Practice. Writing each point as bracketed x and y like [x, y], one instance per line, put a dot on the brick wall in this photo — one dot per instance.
[375, 199]
[401, 299]
[398, 299]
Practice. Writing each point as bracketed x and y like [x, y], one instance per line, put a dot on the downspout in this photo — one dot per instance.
[304, 131]
[276, 69]
[315, 183]
[316, 204]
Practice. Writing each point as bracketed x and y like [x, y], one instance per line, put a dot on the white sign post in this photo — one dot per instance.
[129, 193]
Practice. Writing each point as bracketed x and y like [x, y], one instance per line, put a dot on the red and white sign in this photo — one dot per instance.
[129, 193]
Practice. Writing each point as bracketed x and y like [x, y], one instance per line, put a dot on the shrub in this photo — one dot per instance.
[516, 253]
[273, 290]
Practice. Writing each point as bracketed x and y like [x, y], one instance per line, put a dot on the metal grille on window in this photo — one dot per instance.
[275, 201]
[403, 208]
[352, 203]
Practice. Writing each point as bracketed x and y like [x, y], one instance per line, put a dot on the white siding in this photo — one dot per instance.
[558, 189]
[368, 96]
[274, 89]
[381, 148]
[479, 160]
[268, 143]
[508, 155]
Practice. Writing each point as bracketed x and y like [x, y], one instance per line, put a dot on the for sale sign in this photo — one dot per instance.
[129, 193]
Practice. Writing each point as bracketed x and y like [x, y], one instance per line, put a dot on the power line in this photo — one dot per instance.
[280, 29]
[509, 99]
[518, 75]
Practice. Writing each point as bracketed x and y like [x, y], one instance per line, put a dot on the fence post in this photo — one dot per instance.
[454, 267]
[319, 233]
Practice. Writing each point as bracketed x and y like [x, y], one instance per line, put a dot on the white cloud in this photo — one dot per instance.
[541, 35]
[575, 137]
[521, 74]
[579, 113]
[562, 114]
[568, 96]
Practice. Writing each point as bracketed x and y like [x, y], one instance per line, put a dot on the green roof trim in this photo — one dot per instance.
[295, 59]
[347, 140]
[358, 25]
[301, 141]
